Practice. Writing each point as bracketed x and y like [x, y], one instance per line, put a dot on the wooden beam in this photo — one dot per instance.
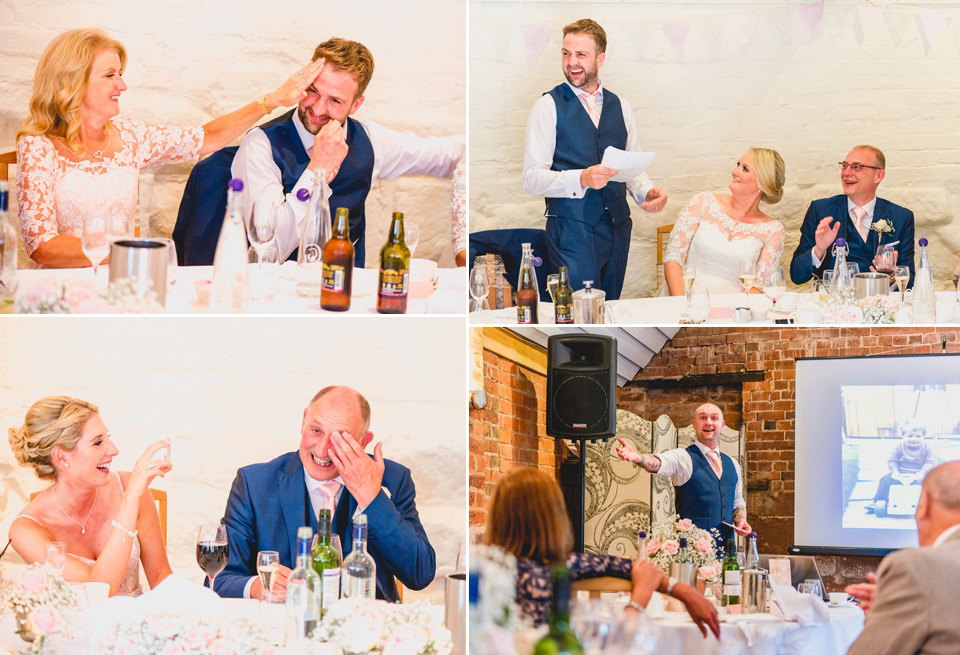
[690, 381]
[512, 346]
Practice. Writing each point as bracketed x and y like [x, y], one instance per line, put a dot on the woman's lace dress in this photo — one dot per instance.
[458, 208]
[715, 244]
[55, 193]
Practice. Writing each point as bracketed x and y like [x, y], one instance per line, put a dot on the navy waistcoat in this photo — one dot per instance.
[704, 499]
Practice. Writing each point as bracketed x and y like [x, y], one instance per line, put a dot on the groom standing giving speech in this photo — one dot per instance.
[588, 220]
[269, 501]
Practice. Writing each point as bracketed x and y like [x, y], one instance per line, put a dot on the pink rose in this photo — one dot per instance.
[702, 545]
[47, 289]
[33, 581]
[44, 620]
[124, 646]
[198, 638]
[174, 648]
[707, 572]
[406, 639]
[684, 525]
[670, 547]
[653, 546]
[223, 646]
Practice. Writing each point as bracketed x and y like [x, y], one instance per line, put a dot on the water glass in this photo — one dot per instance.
[262, 223]
[55, 556]
[264, 278]
[811, 586]
[172, 263]
[698, 305]
[411, 235]
[94, 241]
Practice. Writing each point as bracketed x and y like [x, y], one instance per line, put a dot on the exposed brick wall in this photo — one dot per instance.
[679, 404]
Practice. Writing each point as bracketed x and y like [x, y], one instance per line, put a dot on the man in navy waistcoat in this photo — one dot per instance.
[588, 220]
[709, 484]
[859, 217]
[279, 159]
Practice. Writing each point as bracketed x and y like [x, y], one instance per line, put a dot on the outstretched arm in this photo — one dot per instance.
[650, 463]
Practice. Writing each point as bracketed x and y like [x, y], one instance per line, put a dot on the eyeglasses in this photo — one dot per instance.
[856, 168]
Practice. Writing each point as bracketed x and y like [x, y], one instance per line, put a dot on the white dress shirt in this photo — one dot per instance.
[677, 465]
[394, 154]
[541, 141]
[869, 208]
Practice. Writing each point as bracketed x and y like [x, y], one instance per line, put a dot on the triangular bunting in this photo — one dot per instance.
[896, 23]
[676, 33]
[930, 23]
[743, 26]
[870, 19]
[534, 37]
[812, 17]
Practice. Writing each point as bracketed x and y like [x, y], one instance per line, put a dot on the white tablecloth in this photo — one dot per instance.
[450, 296]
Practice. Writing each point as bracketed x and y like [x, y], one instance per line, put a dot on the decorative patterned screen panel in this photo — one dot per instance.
[621, 498]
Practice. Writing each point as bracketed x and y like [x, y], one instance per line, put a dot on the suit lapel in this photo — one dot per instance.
[294, 501]
[341, 521]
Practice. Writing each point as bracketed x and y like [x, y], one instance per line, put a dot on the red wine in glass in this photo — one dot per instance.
[212, 549]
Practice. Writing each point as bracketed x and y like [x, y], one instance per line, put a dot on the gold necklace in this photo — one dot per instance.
[99, 153]
[83, 526]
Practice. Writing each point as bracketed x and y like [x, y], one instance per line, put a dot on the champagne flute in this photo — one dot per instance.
[775, 286]
[55, 556]
[411, 236]
[902, 276]
[748, 275]
[262, 224]
[689, 275]
[553, 281]
[268, 565]
[94, 241]
[212, 549]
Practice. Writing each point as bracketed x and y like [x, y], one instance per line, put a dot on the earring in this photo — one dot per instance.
[66, 465]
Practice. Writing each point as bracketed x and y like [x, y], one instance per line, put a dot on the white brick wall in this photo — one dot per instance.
[810, 99]
[189, 62]
[231, 392]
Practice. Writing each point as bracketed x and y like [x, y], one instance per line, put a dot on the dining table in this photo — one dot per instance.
[445, 293]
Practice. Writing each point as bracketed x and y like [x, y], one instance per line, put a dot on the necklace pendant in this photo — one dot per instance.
[83, 530]
[98, 154]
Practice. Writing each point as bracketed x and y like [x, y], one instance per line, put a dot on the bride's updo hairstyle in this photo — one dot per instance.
[771, 173]
[51, 421]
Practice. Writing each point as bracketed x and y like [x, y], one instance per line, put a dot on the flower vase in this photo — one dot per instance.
[37, 642]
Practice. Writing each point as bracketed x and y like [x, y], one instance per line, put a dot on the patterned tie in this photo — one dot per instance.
[329, 490]
[715, 462]
[592, 108]
[863, 221]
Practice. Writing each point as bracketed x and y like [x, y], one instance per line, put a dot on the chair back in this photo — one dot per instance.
[159, 497]
[508, 244]
[663, 236]
[7, 159]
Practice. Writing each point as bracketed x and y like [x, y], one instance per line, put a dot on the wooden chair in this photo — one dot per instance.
[7, 159]
[159, 497]
[663, 230]
[603, 583]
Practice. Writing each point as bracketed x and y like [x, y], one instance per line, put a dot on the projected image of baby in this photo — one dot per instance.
[910, 461]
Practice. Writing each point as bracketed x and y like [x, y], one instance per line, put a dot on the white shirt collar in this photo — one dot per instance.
[946, 534]
[314, 485]
[581, 93]
[869, 207]
[705, 449]
[305, 137]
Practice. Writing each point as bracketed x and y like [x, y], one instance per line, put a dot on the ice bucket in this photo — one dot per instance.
[588, 305]
[683, 572]
[753, 591]
[871, 284]
[144, 261]
[455, 611]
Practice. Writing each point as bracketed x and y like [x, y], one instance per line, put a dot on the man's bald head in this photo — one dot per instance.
[707, 423]
[939, 506]
[943, 484]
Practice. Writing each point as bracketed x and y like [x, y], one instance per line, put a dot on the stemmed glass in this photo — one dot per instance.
[775, 286]
[885, 259]
[902, 276]
[118, 228]
[55, 556]
[553, 281]
[827, 285]
[94, 241]
[411, 236]
[689, 275]
[748, 275]
[212, 549]
[261, 225]
[479, 286]
[268, 565]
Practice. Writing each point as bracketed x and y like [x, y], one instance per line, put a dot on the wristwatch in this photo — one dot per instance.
[671, 583]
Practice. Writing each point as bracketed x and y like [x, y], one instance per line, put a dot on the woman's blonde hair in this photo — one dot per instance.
[51, 421]
[527, 517]
[771, 173]
[60, 82]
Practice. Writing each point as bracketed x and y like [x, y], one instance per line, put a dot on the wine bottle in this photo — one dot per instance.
[394, 281]
[314, 233]
[337, 265]
[229, 286]
[560, 638]
[359, 569]
[527, 298]
[303, 593]
[563, 299]
[8, 254]
[731, 577]
[326, 562]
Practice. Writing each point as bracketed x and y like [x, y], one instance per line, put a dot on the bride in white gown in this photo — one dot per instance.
[714, 233]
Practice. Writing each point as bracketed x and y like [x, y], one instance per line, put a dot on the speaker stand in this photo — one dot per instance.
[579, 534]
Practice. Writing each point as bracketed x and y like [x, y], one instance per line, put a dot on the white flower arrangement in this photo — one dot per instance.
[42, 600]
[841, 308]
[53, 296]
[166, 634]
[363, 625]
[882, 227]
[663, 544]
[879, 309]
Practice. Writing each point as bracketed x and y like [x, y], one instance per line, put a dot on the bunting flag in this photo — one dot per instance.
[930, 22]
[743, 27]
[812, 17]
[534, 37]
[676, 35]
[870, 20]
[896, 24]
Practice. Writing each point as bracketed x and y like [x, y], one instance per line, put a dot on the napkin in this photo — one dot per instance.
[791, 605]
[622, 313]
[451, 294]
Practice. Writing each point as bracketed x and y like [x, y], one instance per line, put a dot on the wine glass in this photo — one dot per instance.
[171, 260]
[827, 287]
[411, 236]
[55, 556]
[775, 286]
[902, 276]
[94, 241]
[262, 224]
[689, 275]
[748, 275]
[884, 260]
[461, 565]
[553, 281]
[268, 565]
[118, 228]
[212, 549]
[479, 286]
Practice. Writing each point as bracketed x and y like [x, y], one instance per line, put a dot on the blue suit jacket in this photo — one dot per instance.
[801, 268]
[269, 501]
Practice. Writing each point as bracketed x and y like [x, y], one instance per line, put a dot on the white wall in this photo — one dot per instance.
[189, 62]
[230, 392]
[812, 98]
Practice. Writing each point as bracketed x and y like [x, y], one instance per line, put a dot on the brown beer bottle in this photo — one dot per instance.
[563, 299]
[337, 265]
[394, 281]
[527, 298]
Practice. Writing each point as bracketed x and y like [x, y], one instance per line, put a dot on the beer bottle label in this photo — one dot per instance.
[393, 282]
[524, 314]
[333, 278]
[563, 314]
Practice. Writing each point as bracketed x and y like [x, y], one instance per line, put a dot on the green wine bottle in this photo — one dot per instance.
[563, 299]
[326, 562]
[560, 640]
[731, 576]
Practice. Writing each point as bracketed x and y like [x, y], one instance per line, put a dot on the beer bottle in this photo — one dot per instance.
[527, 298]
[563, 299]
[337, 265]
[394, 270]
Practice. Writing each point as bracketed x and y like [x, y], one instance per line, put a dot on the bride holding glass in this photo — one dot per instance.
[107, 519]
[717, 235]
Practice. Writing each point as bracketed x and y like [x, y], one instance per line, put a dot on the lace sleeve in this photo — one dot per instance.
[157, 143]
[770, 254]
[588, 565]
[36, 178]
[683, 230]
[458, 207]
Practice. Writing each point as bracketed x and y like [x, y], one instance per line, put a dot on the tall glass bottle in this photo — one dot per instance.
[527, 297]
[338, 265]
[8, 254]
[560, 638]
[841, 276]
[731, 576]
[642, 546]
[229, 286]
[314, 234]
[394, 280]
[924, 294]
[303, 593]
[359, 569]
[753, 557]
[326, 562]
[563, 299]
